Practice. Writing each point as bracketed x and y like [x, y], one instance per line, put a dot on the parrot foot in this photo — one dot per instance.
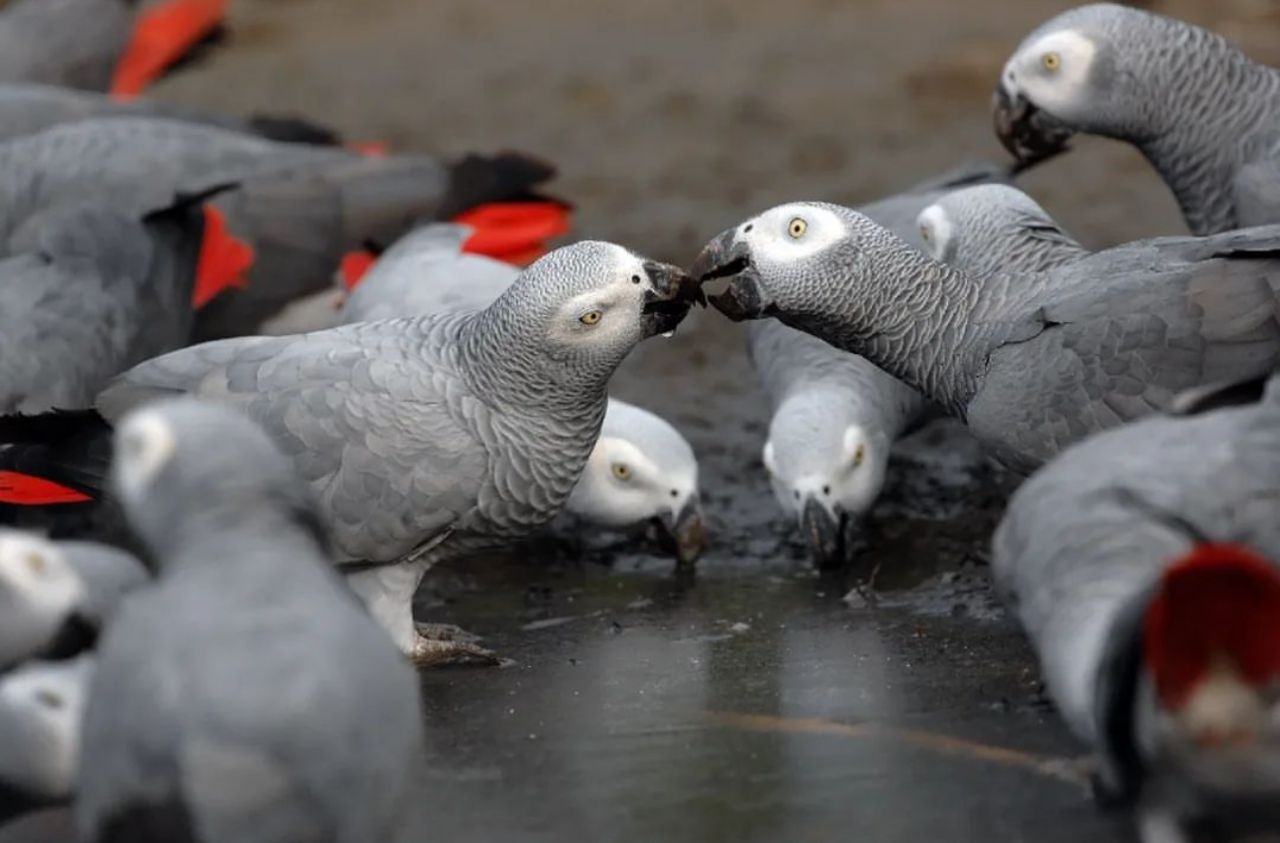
[439, 644]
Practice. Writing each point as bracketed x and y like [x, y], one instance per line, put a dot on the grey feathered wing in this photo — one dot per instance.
[85, 293]
[1174, 314]
[384, 441]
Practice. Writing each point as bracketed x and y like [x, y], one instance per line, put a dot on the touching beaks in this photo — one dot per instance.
[728, 257]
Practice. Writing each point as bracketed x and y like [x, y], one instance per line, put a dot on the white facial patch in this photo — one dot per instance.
[47, 700]
[935, 230]
[1053, 72]
[792, 232]
[35, 571]
[620, 486]
[143, 445]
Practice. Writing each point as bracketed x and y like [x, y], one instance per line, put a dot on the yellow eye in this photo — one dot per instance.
[621, 471]
[1052, 61]
[797, 227]
[35, 562]
[591, 317]
[924, 232]
[858, 455]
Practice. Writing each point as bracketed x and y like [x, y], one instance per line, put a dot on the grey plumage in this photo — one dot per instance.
[425, 272]
[1030, 367]
[26, 109]
[1081, 548]
[1205, 115]
[86, 291]
[72, 43]
[993, 229]
[299, 207]
[246, 696]
[430, 437]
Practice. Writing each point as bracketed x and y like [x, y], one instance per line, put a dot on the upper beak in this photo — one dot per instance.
[1030, 134]
[684, 532]
[728, 257]
[671, 293]
[824, 532]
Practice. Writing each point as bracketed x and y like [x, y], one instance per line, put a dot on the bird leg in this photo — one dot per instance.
[437, 643]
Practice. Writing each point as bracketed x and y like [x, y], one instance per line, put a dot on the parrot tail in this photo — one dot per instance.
[53, 470]
[164, 34]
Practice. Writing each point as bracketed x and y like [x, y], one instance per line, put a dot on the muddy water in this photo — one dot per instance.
[750, 702]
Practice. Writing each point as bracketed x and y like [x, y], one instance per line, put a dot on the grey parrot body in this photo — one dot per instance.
[1085, 541]
[430, 437]
[71, 43]
[299, 207]
[1205, 115]
[1031, 367]
[88, 291]
[26, 109]
[426, 272]
[246, 696]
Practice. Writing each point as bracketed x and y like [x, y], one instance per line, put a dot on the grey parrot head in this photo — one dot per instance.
[1096, 69]
[182, 464]
[826, 470]
[36, 579]
[589, 303]
[643, 474]
[994, 227]
[780, 262]
[41, 704]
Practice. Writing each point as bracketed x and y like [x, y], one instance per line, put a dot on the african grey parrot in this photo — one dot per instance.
[41, 705]
[89, 290]
[641, 473]
[27, 108]
[1030, 367]
[1143, 564]
[422, 438]
[297, 208]
[55, 597]
[247, 695]
[1205, 115]
[992, 229]
[835, 414]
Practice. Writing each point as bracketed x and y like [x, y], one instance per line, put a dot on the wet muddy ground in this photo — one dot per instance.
[749, 702]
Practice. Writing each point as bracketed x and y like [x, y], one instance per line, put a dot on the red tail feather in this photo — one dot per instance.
[27, 490]
[162, 35]
[354, 266]
[223, 259]
[515, 232]
[1221, 601]
[371, 149]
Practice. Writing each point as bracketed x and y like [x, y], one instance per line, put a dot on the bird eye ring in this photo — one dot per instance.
[1051, 61]
[621, 471]
[797, 227]
[591, 317]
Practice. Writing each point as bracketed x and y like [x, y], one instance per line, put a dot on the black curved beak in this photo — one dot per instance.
[671, 293]
[728, 257]
[1030, 135]
[824, 532]
[683, 533]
